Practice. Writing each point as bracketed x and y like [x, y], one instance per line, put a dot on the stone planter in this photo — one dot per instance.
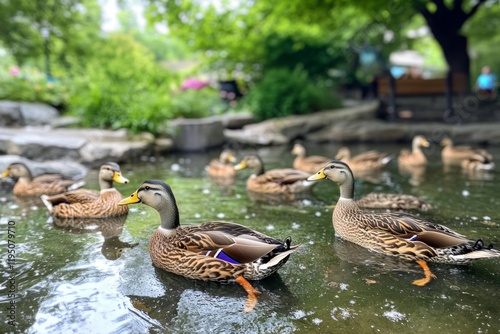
[196, 134]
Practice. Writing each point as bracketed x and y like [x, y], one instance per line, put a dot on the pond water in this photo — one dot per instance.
[98, 278]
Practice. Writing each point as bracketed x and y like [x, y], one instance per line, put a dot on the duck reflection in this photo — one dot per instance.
[110, 228]
[196, 305]
[416, 173]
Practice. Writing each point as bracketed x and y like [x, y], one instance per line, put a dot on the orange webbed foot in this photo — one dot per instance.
[427, 272]
[252, 294]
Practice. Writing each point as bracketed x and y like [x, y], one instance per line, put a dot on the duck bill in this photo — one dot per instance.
[241, 165]
[425, 143]
[117, 177]
[132, 199]
[4, 174]
[318, 176]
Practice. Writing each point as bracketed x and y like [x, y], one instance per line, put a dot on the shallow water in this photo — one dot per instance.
[90, 278]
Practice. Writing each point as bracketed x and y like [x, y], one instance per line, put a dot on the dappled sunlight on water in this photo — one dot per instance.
[87, 277]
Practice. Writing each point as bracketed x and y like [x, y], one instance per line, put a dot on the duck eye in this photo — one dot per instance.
[147, 187]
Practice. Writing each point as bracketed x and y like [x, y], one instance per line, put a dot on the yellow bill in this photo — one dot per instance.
[132, 199]
[5, 173]
[117, 177]
[318, 176]
[241, 165]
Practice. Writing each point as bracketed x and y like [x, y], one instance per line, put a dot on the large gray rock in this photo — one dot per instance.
[68, 169]
[94, 153]
[284, 130]
[196, 134]
[16, 114]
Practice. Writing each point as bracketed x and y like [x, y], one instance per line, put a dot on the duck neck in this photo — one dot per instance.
[169, 216]
[258, 170]
[103, 184]
[347, 189]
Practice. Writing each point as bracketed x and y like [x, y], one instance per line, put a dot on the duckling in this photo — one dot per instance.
[365, 161]
[212, 251]
[27, 185]
[398, 234]
[415, 157]
[454, 155]
[307, 164]
[477, 163]
[85, 203]
[274, 181]
[222, 167]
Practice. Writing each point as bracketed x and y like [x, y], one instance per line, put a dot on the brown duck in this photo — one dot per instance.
[275, 181]
[212, 251]
[364, 161]
[308, 164]
[86, 203]
[27, 185]
[398, 234]
[415, 157]
[222, 167]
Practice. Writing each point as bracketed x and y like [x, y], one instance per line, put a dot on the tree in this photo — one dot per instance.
[58, 29]
[446, 23]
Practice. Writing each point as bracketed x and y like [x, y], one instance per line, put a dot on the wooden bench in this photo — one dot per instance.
[416, 87]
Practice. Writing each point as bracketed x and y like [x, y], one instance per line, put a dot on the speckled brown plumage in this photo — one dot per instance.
[274, 181]
[392, 202]
[27, 185]
[399, 234]
[364, 161]
[222, 167]
[86, 203]
[454, 155]
[415, 157]
[308, 164]
[212, 251]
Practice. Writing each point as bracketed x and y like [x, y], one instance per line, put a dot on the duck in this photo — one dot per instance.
[392, 202]
[399, 234]
[477, 163]
[415, 157]
[222, 167]
[212, 251]
[28, 186]
[286, 181]
[308, 164]
[88, 203]
[365, 161]
[456, 154]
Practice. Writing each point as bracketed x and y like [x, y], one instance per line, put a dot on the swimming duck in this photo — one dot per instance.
[392, 202]
[415, 157]
[274, 181]
[27, 185]
[222, 167]
[398, 234]
[456, 154]
[307, 164]
[365, 161]
[86, 203]
[212, 251]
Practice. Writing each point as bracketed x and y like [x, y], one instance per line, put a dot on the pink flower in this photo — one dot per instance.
[14, 71]
[195, 84]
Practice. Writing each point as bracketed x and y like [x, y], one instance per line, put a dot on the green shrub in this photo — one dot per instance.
[193, 103]
[282, 92]
[123, 87]
[30, 85]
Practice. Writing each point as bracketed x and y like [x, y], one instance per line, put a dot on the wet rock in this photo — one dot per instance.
[69, 169]
[286, 129]
[16, 114]
[96, 153]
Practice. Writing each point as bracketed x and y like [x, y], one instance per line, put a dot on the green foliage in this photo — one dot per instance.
[282, 92]
[70, 27]
[122, 86]
[30, 85]
[196, 103]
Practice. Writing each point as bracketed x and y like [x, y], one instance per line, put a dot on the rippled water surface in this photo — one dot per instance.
[90, 277]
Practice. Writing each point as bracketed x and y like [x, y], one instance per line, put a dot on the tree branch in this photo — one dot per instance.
[474, 8]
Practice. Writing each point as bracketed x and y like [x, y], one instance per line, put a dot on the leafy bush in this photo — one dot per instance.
[123, 87]
[196, 103]
[282, 92]
[30, 85]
